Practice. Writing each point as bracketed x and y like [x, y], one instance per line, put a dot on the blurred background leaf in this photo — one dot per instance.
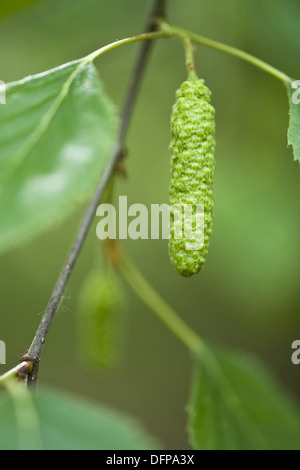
[67, 423]
[236, 405]
[11, 6]
[248, 294]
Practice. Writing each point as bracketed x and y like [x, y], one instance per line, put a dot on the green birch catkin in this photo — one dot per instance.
[100, 328]
[192, 169]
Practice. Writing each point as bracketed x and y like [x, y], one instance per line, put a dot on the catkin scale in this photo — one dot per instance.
[192, 168]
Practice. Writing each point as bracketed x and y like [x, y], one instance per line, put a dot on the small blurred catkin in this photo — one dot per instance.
[192, 169]
[101, 305]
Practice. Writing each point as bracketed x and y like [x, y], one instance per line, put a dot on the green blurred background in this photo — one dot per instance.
[247, 296]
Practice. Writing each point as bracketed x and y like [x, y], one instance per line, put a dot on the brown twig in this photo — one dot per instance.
[36, 348]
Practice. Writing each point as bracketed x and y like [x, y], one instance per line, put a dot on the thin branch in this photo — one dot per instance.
[164, 312]
[183, 34]
[157, 14]
[190, 62]
[36, 348]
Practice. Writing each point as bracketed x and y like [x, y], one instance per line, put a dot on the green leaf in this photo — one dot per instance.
[66, 423]
[56, 134]
[294, 127]
[11, 6]
[236, 405]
